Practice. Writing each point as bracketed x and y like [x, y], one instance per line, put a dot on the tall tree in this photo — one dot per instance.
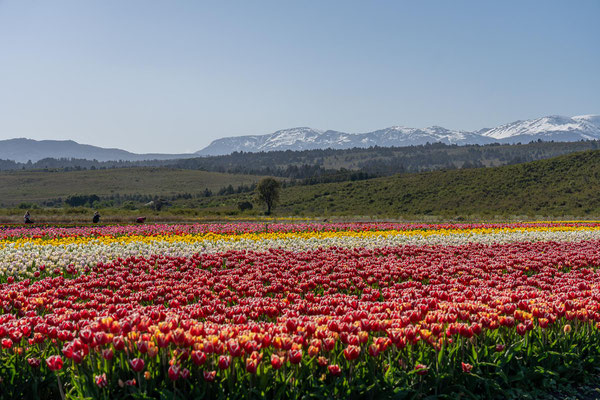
[267, 191]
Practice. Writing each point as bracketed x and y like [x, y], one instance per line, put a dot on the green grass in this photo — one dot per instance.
[558, 187]
[565, 185]
[38, 186]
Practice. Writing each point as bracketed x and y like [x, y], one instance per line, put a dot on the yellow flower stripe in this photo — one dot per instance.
[215, 237]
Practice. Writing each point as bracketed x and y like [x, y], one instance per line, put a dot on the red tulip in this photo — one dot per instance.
[334, 370]
[185, 373]
[107, 354]
[101, 380]
[251, 365]
[373, 350]
[295, 356]
[137, 364]
[322, 361]
[34, 362]
[209, 376]
[54, 363]
[174, 372]
[351, 352]
[119, 343]
[421, 369]
[276, 362]
[224, 362]
[198, 357]
[466, 367]
[142, 346]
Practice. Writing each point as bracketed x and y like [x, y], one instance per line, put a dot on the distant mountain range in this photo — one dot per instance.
[551, 128]
[557, 128]
[23, 150]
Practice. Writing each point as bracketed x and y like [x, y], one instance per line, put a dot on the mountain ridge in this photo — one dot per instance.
[548, 128]
[24, 150]
[554, 127]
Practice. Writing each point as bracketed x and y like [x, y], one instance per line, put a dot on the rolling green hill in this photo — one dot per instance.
[565, 185]
[562, 186]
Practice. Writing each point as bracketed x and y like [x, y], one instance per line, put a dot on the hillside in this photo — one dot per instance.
[324, 166]
[43, 186]
[565, 185]
[561, 186]
[384, 161]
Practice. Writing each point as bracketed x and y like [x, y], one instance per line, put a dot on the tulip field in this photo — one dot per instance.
[291, 311]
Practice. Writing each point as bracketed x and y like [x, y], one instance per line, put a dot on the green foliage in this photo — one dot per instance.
[82, 200]
[27, 206]
[244, 205]
[128, 205]
[267, 191]
[566, 185]
[544, 363]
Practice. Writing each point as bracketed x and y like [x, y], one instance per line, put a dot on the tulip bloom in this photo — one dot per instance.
[209, 376]
[198, 357]
[137, 364]
[107, 354]
[295, 356]
[101, 380]
[351, 352]
[251, 365]
[224, 362]
[334, 370]
[174, 372]
[276, 362]
[54, 363]
[466, 367]
[421, 369]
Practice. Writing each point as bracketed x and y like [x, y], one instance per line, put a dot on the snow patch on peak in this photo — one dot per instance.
[553, 127]
[544, 126]
[593, 119]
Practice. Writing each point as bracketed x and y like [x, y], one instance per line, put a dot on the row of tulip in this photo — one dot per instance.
[364, 312]
[23, 255]
[50, 231]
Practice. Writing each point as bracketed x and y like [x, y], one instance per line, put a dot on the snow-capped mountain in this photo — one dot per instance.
[308, 139]
[557, 128]
[554, 127]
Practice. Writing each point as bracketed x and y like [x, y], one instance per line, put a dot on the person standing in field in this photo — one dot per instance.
[27, 218]
[96, 218]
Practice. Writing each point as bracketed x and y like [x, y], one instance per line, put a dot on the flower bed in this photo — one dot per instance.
[329, 310]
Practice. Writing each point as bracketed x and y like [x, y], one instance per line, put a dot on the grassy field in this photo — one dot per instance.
[566, 185]
[37, 186]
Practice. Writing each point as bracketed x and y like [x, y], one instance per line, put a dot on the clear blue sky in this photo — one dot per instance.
[171, 76]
